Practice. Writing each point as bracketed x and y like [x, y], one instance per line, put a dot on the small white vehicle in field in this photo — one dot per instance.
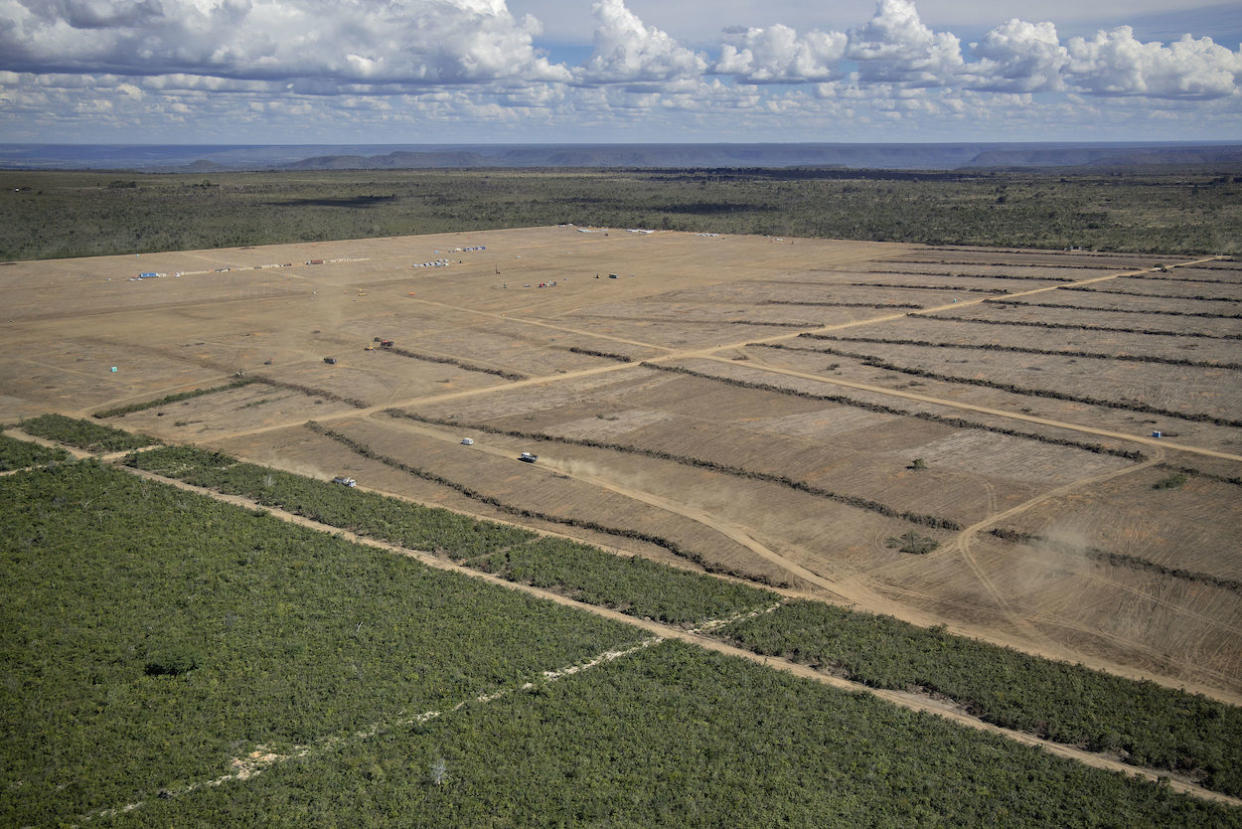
[467, 441]
[343, 481]
[527, 457]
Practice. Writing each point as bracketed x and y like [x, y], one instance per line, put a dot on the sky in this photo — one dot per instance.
[538, 71]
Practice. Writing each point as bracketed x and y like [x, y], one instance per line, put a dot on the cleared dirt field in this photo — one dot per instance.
[787, 465]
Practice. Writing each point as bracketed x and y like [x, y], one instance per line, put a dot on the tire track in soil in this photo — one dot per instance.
[734, 532]
[962, 541]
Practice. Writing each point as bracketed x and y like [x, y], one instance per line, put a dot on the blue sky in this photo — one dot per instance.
[439, 71]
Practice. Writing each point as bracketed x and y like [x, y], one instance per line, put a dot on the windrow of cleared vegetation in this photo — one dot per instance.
[453, 361]
[1097, 309]
[955, 422]
[858, 502]
[943, 275]
[1123, 559]
[1068, 326]
[524, 512]
[1180, 297]
[873, 361]
[1019, 349]
[119, 411]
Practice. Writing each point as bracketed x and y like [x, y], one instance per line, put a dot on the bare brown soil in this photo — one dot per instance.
[697, 302]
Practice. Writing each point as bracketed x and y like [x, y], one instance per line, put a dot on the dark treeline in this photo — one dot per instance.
[64, 214]
[83, 434]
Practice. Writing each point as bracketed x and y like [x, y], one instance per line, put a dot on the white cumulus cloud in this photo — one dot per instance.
[629, 51]
[896, 47]
[780, 54]
[1116, 63]
[404, 41]
[1018, 57]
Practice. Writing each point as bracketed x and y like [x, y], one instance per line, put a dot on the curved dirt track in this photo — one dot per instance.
[735, 532]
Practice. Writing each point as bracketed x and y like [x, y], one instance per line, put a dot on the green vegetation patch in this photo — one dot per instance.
[153, 637]
[912, 542]
[366, 513]
[634, 585]
[79, 214]
[19, 454]
[1175, 481]
[173, 398]
[674, 736]
[1148, 724]
[83, 434]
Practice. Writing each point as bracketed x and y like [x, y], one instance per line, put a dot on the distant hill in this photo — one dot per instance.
[1108, 157]
[848, 156]
[900, 157]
